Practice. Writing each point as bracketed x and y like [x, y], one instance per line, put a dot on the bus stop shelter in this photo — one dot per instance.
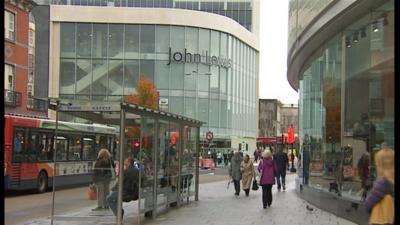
[166, 149]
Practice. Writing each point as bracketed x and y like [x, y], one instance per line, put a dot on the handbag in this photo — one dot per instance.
[92, 192]
[255, 185]
[383, 211]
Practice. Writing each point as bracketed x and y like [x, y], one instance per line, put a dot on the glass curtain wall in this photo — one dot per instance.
[105, 62]
[347, 104]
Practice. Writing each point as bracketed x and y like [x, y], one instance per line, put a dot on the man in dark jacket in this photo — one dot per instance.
[130, 187]
[281, 161]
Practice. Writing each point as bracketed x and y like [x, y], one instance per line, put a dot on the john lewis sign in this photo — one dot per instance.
[186, 57]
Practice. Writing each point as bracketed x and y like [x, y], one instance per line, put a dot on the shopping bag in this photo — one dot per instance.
[92, 192]
[255, 185]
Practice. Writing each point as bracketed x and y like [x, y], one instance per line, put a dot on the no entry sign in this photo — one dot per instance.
[209, 135]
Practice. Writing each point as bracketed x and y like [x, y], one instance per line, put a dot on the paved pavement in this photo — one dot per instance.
[217, 206]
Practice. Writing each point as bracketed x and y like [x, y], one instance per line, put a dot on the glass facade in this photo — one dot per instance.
[347, 102]
[238, 10]
[105, 62]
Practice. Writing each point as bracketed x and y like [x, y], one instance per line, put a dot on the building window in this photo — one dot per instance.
[31, 38]
[9, 25]
[9, 74]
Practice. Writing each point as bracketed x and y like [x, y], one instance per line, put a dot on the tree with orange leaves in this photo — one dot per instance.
[146, 94]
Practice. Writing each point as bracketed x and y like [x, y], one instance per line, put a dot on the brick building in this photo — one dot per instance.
[19, 59]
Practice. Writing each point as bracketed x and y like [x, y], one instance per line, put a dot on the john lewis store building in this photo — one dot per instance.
[205, 66]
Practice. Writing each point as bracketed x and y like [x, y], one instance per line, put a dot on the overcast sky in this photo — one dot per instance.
[273, 50]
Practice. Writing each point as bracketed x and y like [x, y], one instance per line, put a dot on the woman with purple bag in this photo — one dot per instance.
[267, 169]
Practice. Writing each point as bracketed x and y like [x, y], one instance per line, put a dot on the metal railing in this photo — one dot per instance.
[37, 104]
[12, 98]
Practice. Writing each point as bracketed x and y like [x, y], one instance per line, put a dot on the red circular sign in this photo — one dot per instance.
[209, 135]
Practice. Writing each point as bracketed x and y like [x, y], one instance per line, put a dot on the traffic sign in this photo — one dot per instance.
[209, 135]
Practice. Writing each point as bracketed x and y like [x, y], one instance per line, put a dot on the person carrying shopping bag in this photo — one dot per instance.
[267, 169]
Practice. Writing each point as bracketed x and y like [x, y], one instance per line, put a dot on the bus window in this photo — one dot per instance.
[75, 147]
[32, 145]
[88, 148]
[18, 151]
[62, 147]
[45, 146]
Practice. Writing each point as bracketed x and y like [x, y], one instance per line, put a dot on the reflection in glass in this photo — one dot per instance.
[115, 39]
[67, 40]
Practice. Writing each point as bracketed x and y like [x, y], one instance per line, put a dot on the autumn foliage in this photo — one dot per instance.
[146, 94]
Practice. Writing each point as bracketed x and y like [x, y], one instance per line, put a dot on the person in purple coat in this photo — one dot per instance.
[267, 169]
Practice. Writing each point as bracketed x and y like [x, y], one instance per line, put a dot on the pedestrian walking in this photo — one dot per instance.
[380, 203]
[225, 158]
[247, 170]
[102, 177]
[234, 171]
[281, 160]
[255, 155]
[219, 157]
[267, 169]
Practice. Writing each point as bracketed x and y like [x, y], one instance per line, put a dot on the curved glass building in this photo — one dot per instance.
[202, 56]
[341, 61]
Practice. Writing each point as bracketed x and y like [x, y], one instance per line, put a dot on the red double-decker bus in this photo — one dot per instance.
[29, 147]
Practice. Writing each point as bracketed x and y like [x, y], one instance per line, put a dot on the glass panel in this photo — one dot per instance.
[162, 42]
[100, 38]
[190, 107]
[176, 105]
[115, 77]
[188, 162]
[83, 40]
[190, 76]
[67, 40]
[131, 75]
[214, 113]
[147, 151]
[203, 80]
[147, 69]
[223, 114]
[100, 80]
[167, 179]
[83, 78]
[67, 76]
[176, 76]
[132, 41]
[178, 42]
[147, 38]
[203, 110]
[162, 75]
[115, 47]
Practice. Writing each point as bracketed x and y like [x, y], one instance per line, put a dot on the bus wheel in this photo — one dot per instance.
[42, 182]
